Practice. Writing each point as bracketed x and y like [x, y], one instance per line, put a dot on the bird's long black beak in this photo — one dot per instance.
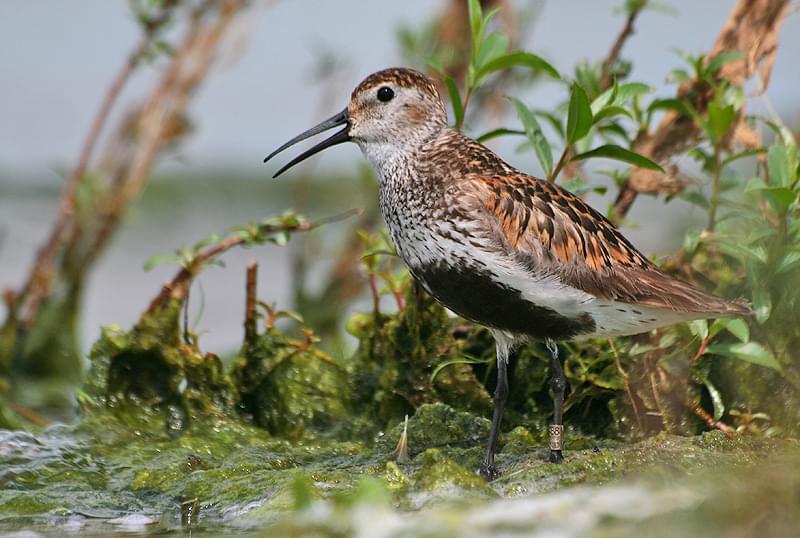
[342, 118]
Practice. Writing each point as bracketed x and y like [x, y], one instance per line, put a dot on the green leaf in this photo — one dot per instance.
[751, 352]
[578, 185]
[587, 76]
[534, 133]
[788, 262]
[716, 399]
[517, 59]
[735, 248]
[579, 116]
[695, 198]
[780, 198]
[716, 63]
[160, 259]
[782, 162]
[742, 155]
[618, 95]
[699, 328]
[455, 100]
[494, 133]
[676, 105]
[213, 238]
[630, 90]
[737, 327]
[618, 153]
[614, 129]
[609, 112]
[691, 241]
[676, 76]
[762, 303]
[279, 238]
[463, 360]
[668, 340]
[492, 46]
[551, 119]
[475, 19]
[720, 119]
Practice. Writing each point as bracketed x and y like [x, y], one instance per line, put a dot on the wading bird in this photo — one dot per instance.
[517, 254]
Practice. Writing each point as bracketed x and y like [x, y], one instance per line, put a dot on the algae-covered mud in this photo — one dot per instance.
[289, 440]
[223, 477]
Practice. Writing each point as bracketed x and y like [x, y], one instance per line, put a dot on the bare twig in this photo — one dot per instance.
[708, 419]
[250, 321]
[43, 272]
[701, 350]
[187, 337]
[376, 296]
[616, 48]
[40, 277]
[657, 400]
[625, 381]
[178, 287]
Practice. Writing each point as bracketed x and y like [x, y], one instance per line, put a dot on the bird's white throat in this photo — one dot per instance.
[383, 155]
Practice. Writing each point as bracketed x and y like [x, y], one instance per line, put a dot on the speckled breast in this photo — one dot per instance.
[446, 264]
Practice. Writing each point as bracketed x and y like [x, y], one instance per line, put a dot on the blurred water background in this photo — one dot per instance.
[276, 79]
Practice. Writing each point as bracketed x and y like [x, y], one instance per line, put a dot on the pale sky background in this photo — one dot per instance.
[57, 57]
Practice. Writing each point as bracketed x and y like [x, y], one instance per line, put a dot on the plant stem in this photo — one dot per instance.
[551, 177]
[715, 188]
[251, 299]
[464, 105]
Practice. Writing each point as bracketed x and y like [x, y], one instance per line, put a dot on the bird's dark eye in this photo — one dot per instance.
[385, 93]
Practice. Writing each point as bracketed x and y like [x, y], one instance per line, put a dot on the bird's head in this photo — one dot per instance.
[389, 111]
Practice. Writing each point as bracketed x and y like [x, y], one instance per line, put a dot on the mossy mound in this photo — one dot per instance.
[290, 388]
[394, 370]
[150, 372]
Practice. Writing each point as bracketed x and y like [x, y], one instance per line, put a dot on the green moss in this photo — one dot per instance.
[440, 474]
[289, 388]
[150, 377]
[391, 373]
[437, 425]
[23, 504]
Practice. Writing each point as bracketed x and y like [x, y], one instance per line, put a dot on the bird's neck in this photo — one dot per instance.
[387, 155]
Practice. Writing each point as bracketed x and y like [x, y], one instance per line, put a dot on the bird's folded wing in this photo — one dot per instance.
[550, 230]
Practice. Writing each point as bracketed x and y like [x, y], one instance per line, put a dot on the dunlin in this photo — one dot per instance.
[517, 254]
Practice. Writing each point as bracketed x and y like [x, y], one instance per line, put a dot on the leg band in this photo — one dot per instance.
[556, 437]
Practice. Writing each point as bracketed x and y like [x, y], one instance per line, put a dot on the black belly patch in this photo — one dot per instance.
[474, 295]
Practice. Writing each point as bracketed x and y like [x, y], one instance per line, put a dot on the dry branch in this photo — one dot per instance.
[251, 299]
[616, 49]
[178, 287]
[40, 277]
[751, 28]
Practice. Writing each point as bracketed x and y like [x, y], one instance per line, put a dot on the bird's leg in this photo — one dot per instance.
[488, 469]
[558, 383]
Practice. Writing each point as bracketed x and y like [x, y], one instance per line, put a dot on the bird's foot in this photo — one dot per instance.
[556, 456]
[489, 471]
